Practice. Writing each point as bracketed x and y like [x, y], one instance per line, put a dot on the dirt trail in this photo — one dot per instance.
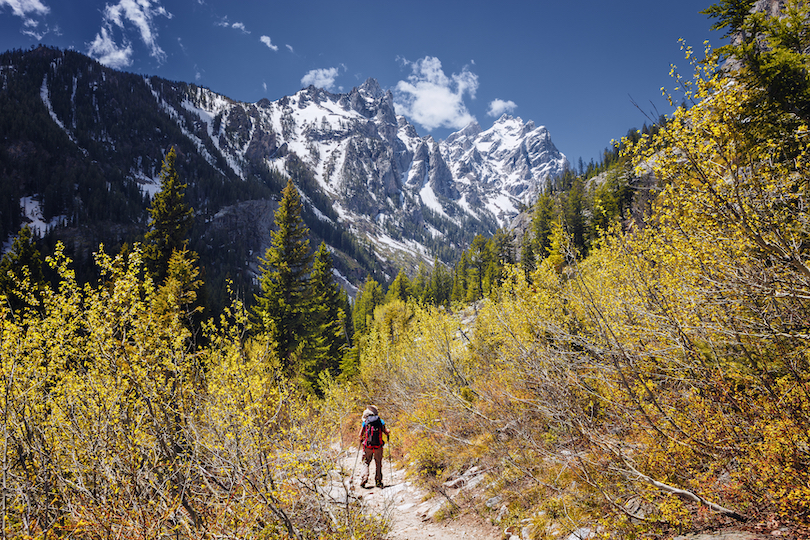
[409, 509]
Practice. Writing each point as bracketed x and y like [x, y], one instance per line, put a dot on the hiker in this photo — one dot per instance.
[371, 439]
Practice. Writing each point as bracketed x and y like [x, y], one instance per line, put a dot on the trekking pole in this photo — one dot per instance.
[354, 469]
[390, 461]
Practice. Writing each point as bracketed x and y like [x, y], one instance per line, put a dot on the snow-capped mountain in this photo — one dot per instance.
[371, 183]
[378, 173]
[502, 166]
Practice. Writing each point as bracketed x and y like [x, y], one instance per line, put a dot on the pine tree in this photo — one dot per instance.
[400, 288]
[369, 298]
[459, 293]
[771, 61]
[498, 253]
[327, 321]
[178, 292]
[20, 265]
[441, 285]
[283, 303]
[420, 285]
[574, 215]
[171, 220]
[541, 222]
[528, 259]
[476, 269]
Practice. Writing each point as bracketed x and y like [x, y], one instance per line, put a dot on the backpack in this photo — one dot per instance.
[372, 436]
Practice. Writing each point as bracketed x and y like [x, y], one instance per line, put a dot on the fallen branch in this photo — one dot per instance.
[685, 495]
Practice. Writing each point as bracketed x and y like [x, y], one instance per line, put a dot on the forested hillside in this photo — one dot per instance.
[83, 145]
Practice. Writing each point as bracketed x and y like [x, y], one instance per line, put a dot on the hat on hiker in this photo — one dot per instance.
[371, 410]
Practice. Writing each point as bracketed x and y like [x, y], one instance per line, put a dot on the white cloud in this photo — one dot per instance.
[290, 47]
[241, 27]
[267, 41]
[432, 99]
[497, 107]
[225, 23]
[138, 13]
[27, 10]
[321, 78]
[22, 8]
[31, 28]
[105, 50]
[264, 85]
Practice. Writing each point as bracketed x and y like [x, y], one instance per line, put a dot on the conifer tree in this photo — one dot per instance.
[498, 253]
[476, 269]
[459, 293]
[328, 319]
[772, 53]
[420, 285]
[22, 263]
[440, 286]
[528, 259]
[541, 222]
[400, 288]
[574, 216]
[170, 223]
[283, 303]
[369, 298]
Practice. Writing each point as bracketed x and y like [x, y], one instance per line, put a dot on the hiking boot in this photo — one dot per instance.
[380, 485]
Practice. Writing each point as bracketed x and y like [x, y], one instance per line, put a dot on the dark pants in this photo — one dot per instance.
[377, 455]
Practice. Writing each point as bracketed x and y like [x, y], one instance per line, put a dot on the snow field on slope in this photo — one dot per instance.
[207, 116]
[312, 116]
[168, 109]
[32, 210]
[428, 197]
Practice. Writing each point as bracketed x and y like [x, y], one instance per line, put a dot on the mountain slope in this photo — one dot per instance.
[82, 145]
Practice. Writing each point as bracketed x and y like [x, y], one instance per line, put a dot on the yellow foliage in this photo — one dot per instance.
[114, 426]
[666, 375]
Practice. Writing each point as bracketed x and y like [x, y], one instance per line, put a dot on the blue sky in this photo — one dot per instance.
[574, 66]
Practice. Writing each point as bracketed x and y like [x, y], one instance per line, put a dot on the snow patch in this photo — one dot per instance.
[168, 109]
[46, 99]
[408, 246]
[501, 205]
[207, 116]
[146, 183]
[428, 197]
[32, 210]
[433, 231]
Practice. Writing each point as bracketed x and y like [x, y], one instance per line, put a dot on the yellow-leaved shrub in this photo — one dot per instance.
[116, 426]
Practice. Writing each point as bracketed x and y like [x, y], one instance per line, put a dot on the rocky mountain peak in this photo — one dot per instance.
[470, 132]
[513, 159]
[371, 88]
